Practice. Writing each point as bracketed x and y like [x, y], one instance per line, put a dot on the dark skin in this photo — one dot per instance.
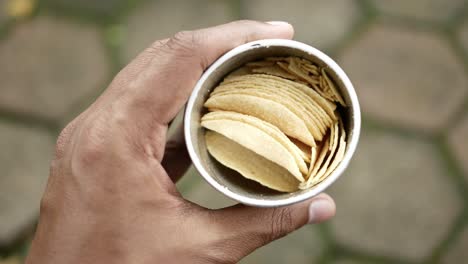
[111, 196]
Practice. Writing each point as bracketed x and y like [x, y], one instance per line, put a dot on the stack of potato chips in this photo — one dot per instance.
[276, 122]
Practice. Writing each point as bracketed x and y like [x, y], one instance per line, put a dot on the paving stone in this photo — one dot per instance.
[436, 10]
[463, 36]
[458, 253]
[25, 164]
[200, 192]
[48, 64]
[408, 77]
[320, 23]
[302, 246]
[3, 12]
[19, 8]
[11, 260]
[101, 7]
[395, 199]
[352, 261]
[162, 19]
[459, 144]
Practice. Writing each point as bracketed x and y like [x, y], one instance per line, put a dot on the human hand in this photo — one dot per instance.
[111, 196]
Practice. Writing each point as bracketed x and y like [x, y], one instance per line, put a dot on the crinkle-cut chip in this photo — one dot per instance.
[249, 164]
[334, 91]
[266, 127]
[327, 106]
[267, 110]
[284, 90]
[256, 140]
[312, 123]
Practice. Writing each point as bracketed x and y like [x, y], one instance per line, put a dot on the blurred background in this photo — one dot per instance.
[404, 198]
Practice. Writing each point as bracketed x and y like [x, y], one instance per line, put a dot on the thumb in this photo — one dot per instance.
[248, 228]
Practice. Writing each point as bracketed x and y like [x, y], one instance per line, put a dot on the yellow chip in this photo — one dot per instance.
[256, 140]
[266, 127]
[265, 109]
[249, 164]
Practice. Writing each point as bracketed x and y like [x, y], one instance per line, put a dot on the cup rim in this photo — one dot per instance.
[313, 191]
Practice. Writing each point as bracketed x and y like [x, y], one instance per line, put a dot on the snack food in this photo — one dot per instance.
[283, 113]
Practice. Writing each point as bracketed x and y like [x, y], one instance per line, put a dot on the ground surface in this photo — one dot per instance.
[404, 198]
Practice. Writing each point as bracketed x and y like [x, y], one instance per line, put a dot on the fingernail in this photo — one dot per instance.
[318, 210]
[277, 23]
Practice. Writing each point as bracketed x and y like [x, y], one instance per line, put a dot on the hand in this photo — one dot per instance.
[111, 196]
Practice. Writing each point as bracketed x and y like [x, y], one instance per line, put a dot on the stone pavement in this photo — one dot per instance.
[404, 198]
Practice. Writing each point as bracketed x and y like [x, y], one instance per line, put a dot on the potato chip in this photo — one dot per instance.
[249, 164]
[312, 123]
[276, 87]
[283, 92]
[282, 110]
[265, 109]
[256, 140]
[266, 127]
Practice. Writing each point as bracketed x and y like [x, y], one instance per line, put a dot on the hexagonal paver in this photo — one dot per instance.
[405, 76]
[457, 253]
[459, 144]
[24, 159]
[18, 8]
[162, 19]
[436, 10]
[396, 198]
[3, 12]
[11, 260]
[302, 246]
[101, 7]
[47, 64]
[200, 192]
[463, 36]
[320, 23]
[352, 261]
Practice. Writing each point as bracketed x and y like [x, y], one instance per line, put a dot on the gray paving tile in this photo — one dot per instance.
[24, 159]
[435, 10]
[47, 65]
[463, 36]
[101, 7]
[407, 77]
[458, 252]
[459, 143]
[320, 23]
[161, 19]
[200, 192]
[396, 198]
[302, 246]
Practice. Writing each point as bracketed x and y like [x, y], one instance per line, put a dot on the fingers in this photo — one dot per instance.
[164, 85]
[176, 159]
[247, 228]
